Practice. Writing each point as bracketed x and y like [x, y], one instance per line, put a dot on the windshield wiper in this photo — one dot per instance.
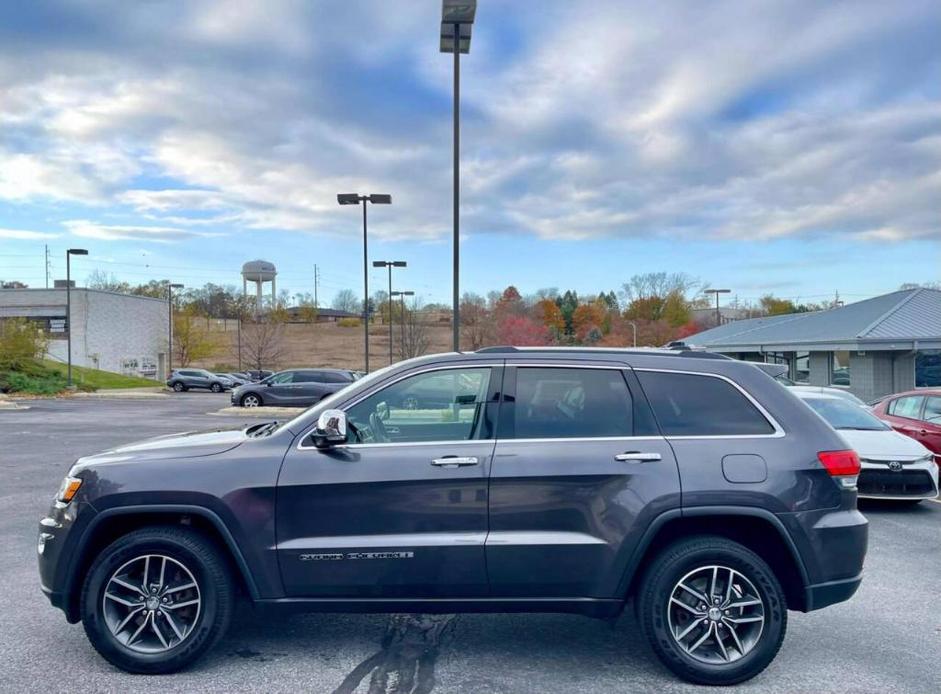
[264, 429]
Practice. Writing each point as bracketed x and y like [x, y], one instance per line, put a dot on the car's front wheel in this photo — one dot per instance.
[251, 400]
[712, 610]
[157, 599]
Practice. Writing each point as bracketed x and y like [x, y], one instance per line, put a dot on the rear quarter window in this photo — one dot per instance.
[694, 405]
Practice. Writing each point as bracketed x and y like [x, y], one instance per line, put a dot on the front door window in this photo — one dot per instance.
[443, 405]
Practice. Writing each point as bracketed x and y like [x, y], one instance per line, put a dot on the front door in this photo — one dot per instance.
[578, 473]
[400, 510]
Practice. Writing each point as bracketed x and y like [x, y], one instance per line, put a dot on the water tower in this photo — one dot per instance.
[259, 272]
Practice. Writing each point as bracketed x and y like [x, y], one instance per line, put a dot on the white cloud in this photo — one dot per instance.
[24, 235]
[589, 119]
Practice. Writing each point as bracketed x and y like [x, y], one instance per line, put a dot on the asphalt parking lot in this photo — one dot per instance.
[887, 638]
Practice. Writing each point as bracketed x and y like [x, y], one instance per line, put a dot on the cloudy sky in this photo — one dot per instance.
[790, 147]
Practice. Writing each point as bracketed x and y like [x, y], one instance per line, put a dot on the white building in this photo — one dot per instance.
[114, 332]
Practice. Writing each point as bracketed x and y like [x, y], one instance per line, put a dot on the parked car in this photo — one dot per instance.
[552, 480]
[893, 466]
[185, 379]
[257, 375]
[293, 388]
[841, 393]
[235, 379]
[916, 413]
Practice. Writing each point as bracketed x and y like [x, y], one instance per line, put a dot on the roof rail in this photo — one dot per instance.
[497, 349]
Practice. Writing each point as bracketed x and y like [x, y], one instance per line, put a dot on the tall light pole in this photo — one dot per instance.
[457, 19]
[717, 292]
[68, 305]
[634, 328]
[390, 264]
[170, 287]
[356, 199]
[403, 295]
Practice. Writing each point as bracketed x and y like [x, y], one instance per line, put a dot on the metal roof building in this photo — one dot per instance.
[874, 347]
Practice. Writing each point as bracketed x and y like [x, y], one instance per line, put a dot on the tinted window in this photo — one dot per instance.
[691, 405]
[928, 368]
[442, 405]
[906, 407]
[281, 378]
[841, 414]
[933, 410]
[334, 377]
[571, 403]
[308, 377]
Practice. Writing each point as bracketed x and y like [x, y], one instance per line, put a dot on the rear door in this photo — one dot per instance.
[579, 472]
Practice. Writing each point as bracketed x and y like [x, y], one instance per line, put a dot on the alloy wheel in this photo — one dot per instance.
[151, 604]
[716, 615]
[250, 401]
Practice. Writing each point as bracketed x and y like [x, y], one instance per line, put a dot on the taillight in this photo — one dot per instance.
[844, 465]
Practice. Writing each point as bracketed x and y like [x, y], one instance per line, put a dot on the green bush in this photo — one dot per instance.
[349, 322]
[33, 378]
[22, 343]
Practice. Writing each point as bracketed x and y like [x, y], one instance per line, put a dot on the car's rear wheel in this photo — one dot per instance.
[251, 400]
[712, 610]
[179, 387]
[157, 599]
[216, 388]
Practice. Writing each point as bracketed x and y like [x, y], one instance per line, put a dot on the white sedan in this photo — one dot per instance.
[894, 466]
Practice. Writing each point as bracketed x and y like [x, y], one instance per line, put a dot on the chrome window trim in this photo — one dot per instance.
[778, 429]
[393, 444]
[401, 377]
[583, 439]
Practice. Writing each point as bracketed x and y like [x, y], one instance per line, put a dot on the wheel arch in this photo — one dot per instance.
[109, 525]
[764, 534]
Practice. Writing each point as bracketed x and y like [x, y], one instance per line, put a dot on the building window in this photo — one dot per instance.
[928, 368]
[840, 368]
[801, 370]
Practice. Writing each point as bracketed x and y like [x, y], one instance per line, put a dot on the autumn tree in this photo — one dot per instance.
[547, 312]
[522, 331]
[588, 317]
[773, 306]
[192, 339]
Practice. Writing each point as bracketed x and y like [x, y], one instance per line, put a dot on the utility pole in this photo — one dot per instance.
[48, 266]
[316, 285]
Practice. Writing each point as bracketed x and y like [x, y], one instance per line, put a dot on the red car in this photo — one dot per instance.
[916, 413]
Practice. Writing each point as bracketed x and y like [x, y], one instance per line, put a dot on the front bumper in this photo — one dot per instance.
[912, 480]
[58, 531]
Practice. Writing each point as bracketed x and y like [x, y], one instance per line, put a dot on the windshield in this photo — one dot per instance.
[842, 414]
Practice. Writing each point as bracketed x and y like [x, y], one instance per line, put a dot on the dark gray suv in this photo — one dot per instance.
[293, 388]
[696, 488]
[185, 379]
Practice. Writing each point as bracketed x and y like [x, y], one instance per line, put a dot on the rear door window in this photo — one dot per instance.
[701, 405]
[571, 403]
[909, 407]
[932, 410]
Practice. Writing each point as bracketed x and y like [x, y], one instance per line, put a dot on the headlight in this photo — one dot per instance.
[68, 490]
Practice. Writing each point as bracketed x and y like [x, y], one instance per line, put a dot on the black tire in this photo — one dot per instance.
[247, 398]
[678, 561]
[216, 387]
[208, 567]
[178, 387]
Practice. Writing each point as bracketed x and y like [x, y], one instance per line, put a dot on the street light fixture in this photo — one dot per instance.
[68, 305]
[356, 199]
[402, 295]
[170, 287]
[634, 328]
[390, 264]
[457, 19]
[717, 292]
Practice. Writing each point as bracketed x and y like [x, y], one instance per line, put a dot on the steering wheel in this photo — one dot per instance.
[378, 428]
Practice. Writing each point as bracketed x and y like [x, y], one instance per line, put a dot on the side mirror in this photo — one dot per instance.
[331, 429]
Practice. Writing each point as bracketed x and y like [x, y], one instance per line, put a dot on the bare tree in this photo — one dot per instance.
[346, 300]
[263, 342]
[415, 338]
[476, 323]
[659, 285]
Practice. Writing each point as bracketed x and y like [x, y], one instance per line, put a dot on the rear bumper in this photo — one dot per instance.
[820, 595]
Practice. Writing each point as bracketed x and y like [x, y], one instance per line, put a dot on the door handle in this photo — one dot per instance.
[637, 457]
[454, 461]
